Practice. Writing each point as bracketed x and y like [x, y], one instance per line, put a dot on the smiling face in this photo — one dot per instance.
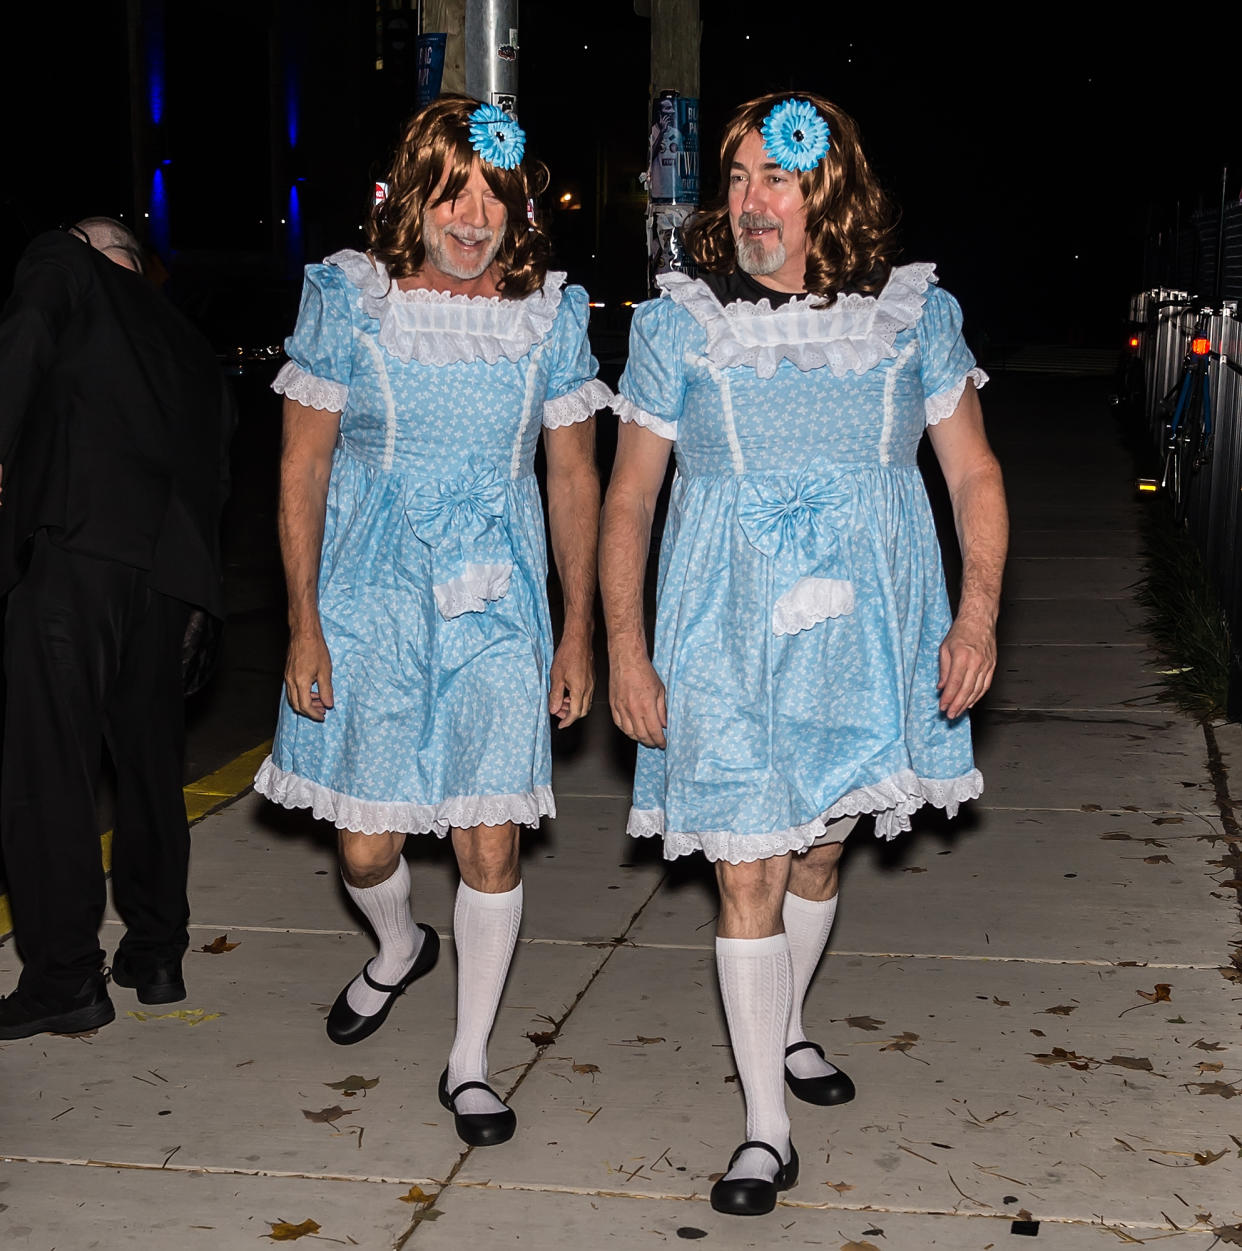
[462, 235]
[768, 217]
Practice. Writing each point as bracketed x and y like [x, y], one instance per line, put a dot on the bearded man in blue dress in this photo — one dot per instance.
[807, 669]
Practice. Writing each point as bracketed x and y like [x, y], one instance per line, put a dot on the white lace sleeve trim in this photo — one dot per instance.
[436, 328]
[473, 590]
[810, 601]
[576, 406]
[892, 801]
[938, 407]
[372, 817]
[297, 384]
[854, 335]
[627, 410]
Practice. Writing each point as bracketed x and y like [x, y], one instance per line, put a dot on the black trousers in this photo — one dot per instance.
[92, 656]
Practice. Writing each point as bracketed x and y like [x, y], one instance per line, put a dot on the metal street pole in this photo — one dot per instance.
[492, 52]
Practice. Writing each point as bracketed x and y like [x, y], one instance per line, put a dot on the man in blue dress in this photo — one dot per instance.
[421, 674]
[806, 668]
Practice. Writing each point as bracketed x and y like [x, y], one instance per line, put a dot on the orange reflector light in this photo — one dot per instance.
[1134, 342]
[1148, 486]
[1200, 347]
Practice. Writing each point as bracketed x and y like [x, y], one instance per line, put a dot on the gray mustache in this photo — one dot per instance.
[470, 234]
[755, 221]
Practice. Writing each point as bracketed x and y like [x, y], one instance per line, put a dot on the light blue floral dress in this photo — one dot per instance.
[432, 585]
[801, 598]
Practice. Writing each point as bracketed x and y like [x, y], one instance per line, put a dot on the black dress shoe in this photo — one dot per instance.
[477, 1129]
[345, 1026]
[828, 1090]
[158, 981]
[754, 1196]
[22, 1015]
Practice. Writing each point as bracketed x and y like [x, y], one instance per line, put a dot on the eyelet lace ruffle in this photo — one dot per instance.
[627, 410]
[473, 589]
[852, 336]
[297, 384]
[568, 410]
[938, 407]
[371, 817]
[892, 801]
[436, 328]
[810, 601]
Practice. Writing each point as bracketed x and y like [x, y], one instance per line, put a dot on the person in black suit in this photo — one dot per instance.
[114, 430]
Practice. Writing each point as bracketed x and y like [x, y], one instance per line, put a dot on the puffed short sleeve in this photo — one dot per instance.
[947, 363]
[320, 349]
[574, 392]
[653, 386]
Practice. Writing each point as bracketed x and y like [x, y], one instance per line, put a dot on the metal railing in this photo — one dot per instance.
[1213, 517]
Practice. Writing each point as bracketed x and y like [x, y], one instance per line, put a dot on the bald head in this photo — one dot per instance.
[114, 239]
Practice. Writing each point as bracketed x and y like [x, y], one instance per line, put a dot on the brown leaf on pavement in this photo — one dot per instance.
[1089, 807]
[1209, 1157]
[859, 1246]
[1000, 1003]
[353, 1084]
[1062, 1009]
[645, 1042]
[218, 946]
[1224, 1089]
[283, 1231]
[1162, 993]
[1157, 860]
[1142, 1063]
[586, 1068]
[326, 1116]
[1117, 836]
[839, 1187]
[1169, 821]
[415, 1194]
[1232, 1234]
[903, 1042]
[541, 1038]
[863, 1022]
[1209, 1066]
[1058, 1055]
[1201, 1045]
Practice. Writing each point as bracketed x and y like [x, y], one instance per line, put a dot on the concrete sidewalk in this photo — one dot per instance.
[1029, 999]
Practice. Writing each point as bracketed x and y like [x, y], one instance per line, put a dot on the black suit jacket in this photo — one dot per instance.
[114, 423]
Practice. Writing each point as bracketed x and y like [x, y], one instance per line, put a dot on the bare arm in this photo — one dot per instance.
[573, 515]
[973, 476]
[305, 465]
[635, 691]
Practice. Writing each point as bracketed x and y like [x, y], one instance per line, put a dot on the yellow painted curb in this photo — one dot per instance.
[201, 798]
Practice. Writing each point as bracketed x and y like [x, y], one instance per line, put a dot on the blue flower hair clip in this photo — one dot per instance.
[795, 136]
[496, 136]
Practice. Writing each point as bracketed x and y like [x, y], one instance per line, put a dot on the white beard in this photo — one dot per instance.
[438, 253]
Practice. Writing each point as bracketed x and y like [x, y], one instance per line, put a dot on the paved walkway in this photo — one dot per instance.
[1030, 999]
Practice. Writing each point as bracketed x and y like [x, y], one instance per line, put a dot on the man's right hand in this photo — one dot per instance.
[636, 697]
[308, 675]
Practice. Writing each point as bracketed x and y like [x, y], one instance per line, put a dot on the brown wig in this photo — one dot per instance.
[436, 144]
[850, 222]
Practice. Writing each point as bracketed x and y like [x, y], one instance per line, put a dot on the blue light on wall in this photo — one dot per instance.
[155, 63]
[295, 243]
[158, 226]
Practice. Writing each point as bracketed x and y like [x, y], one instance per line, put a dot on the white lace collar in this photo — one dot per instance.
[436, 328]
[852, 336]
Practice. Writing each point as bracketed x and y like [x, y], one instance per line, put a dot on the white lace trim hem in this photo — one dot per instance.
[852, 336]
[372, 817]
[568, 410]
[892, 801]
[938, 407]
[472, 590]
[297, 384]
[810, 601]
[436, 328]
[627, 410]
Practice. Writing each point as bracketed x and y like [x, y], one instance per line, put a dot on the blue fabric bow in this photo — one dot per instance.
[795, 522]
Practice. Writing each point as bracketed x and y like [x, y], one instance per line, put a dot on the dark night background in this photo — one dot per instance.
[1031, 159]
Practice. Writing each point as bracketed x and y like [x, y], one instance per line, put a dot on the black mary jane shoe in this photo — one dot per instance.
[158, 981]
[754, 1196]
[826, 1091]
[477, 1129]
[345, 1026]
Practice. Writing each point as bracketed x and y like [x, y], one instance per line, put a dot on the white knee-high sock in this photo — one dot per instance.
[387, 907]
[756, 985]
[808, 922]
[485, 929]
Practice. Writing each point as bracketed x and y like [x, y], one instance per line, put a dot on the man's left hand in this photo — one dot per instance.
[967, 663]
[571, 681]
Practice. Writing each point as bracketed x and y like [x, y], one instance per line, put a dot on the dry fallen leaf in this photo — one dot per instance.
[1000, 1003]
[1223, 1089]
[1162, 993]
[1058, 1055]
[326, 1116]
[903, 1042]
[1157, 860]
[1062, 1009]
[415, 1194]
[282, 1231]
[1200, 1045]
[1209, 1157]
[1130, 1062]
[191, 1016]
[863, 1022]
[1169, 821]
[353, 1084]
[586, 1068]
[1089, 807]
[218, 946]
[839, 1187]
[1209, 1066]
[859, 1246]
[1117, 836]
[646, 1042]
[541, 1038]
[1231, 1234]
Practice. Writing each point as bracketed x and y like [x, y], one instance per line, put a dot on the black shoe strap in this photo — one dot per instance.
[473, 1086]
[762, 1146]
[374, 985]
[804, 1046]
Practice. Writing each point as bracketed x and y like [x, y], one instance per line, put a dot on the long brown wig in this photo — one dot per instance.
[436, 143]
[850, 222]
